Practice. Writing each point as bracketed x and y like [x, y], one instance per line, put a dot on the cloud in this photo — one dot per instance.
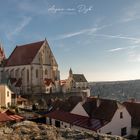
[116, 49]
[118, 37]
[88, 31]
[19, 27]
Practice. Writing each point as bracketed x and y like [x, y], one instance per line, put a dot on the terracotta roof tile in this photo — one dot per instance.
[24, 54]
[66, 105]
[81, 121]
[47, 82]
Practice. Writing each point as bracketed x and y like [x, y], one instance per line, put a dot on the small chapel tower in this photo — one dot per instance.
[70, 73]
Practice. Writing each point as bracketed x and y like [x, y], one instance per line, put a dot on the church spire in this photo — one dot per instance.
[70, 72]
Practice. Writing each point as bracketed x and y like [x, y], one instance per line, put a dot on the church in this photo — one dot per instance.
[31, 68]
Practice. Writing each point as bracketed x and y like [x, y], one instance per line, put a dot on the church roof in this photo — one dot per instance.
[24, 54]
[79, 78]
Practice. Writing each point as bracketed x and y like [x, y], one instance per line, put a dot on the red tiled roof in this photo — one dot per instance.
[47, 82]
[66, 105]
[4, 117]
[21, 99]
[134, 110]
[81, 121]
[24, 54]
[105, 111]
[62, 82]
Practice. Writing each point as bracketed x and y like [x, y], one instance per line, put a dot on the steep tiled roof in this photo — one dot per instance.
[105, 111]
[66, 105]
[79, 78]
[134, 110]
[81, 121]
[47, 82]
[24, 54]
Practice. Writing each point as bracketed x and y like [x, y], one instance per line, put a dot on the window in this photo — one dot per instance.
[7, 93]
[57, 123]
[109, 133]
[27, 76]
[36, 73]
[46, 72]
[121, 115]
[123, 131]
[8, 104]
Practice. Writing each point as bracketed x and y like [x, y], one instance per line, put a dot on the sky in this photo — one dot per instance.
[99, 38]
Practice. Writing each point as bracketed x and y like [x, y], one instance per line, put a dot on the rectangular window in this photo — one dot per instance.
[121, 115]
[46, 72]
[36, 73]
[109, 133]
[7, 93]
[123, 131]
[27, 76]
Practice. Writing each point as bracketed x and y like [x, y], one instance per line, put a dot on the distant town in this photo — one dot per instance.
[31, 89]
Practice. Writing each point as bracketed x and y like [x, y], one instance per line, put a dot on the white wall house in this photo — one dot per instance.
[133, 108]
[5, 95]
[29, 65]
[68, 120]
[117, 116]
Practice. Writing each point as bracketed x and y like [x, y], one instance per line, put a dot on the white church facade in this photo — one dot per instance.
[31, 68]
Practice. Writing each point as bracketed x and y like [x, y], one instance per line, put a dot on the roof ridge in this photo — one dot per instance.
[30, 43]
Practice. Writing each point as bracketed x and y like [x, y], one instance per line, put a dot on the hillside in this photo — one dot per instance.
[31, 131]
[120, 90]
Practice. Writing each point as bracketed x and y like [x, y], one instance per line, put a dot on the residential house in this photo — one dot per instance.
[5, 95]
[69, 120]
[75, 83]
[117, 116]
[29, 67]
[133, 108]
[21, 102]
[101, 115]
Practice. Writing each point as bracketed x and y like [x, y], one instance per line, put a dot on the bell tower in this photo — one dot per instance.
[70, 73]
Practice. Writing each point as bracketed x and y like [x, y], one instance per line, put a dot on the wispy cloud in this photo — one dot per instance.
[19, 27]
[88, 31]
[116, 49]
[69, 35]
[118, 37]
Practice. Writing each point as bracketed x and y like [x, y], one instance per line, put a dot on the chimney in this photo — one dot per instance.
[98, 102]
